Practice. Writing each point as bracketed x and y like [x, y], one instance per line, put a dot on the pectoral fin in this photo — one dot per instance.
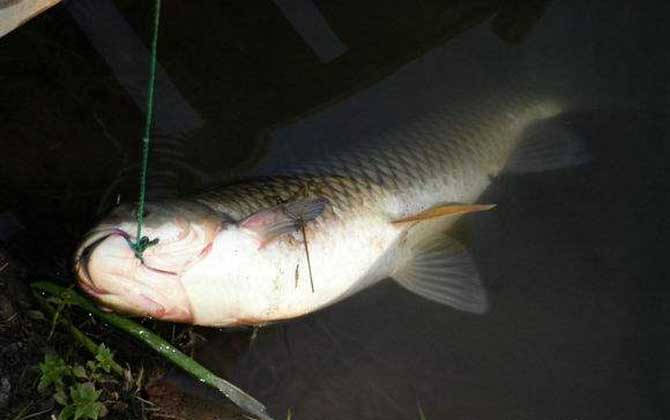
[271, 223]
[444, 210]
[441, 270]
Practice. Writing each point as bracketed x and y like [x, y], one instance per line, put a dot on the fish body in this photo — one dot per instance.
[279, 247]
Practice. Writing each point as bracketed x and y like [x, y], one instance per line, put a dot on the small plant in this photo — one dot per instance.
[83, 403]
[74, 386]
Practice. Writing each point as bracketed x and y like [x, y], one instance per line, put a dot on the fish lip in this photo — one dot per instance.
[93, 240]
[92, 289]
[172, 314]
[155, 309]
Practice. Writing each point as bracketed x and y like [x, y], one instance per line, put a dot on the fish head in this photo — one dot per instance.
[249, 274]
[108, 268]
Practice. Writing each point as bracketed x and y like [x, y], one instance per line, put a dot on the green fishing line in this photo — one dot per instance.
[143, 242]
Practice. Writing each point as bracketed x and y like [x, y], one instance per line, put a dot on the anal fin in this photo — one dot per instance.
[442, 270]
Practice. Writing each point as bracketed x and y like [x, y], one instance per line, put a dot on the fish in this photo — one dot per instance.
[280, 246]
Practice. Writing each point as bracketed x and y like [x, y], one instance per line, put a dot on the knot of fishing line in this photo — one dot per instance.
[141, 245]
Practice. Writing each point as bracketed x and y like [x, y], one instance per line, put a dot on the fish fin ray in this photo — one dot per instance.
[548, 144]
[451, 209]
[442, 270]
[270, 223]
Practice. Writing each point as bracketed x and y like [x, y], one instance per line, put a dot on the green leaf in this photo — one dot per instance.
[104, 358]
[79, 371]
[66, 413]
[84, 392]
[85, 400]
[36, 315]
[61, 397]
[54, 300]
[53, 369]
[91, 365]
[92, 410]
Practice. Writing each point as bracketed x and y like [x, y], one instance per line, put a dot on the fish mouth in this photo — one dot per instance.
[92, 289]
[97, 237]
[83, 256]
[117, 301]
[150, 307]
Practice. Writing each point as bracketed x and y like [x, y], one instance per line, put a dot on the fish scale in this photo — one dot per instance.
[437, 148]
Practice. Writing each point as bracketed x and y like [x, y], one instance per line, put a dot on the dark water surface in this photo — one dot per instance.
[574, 259]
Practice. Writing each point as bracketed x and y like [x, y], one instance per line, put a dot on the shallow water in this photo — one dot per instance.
[573, 258]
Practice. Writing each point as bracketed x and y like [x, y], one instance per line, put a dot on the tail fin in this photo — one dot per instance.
[548, 144]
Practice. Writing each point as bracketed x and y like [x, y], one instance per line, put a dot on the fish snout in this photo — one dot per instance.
[109, 272]
[83, 257]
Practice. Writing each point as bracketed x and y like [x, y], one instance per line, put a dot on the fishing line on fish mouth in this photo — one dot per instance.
[143, 242]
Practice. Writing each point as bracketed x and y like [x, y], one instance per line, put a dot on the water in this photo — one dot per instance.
[573, 259]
